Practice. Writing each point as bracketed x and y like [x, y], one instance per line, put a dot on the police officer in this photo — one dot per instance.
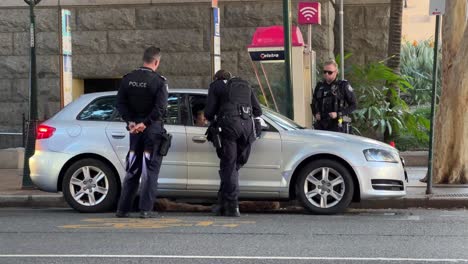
[333, 101]
[233, 104]
[142, 102]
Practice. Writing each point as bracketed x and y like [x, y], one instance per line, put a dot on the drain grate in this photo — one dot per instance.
[461, 195]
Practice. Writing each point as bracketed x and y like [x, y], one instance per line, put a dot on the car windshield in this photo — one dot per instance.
[280, 120]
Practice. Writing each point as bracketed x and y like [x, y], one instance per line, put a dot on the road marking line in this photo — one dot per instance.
[134, 223]
[236, 257]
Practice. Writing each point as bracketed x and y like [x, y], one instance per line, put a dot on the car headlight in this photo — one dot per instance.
[380, 155]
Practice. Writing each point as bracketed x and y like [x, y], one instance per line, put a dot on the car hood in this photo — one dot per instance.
[313, 136]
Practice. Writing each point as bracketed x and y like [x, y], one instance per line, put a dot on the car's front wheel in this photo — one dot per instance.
[90, 186]
[325, 187]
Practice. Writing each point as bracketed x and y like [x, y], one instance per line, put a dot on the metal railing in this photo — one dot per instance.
[24, 125]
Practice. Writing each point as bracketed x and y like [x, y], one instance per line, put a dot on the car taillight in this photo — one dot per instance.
[44, 132]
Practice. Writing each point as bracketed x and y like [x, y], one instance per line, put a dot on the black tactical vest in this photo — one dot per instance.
[330, 98]
[237, 99]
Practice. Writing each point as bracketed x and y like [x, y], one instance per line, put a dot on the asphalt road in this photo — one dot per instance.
[358, 236]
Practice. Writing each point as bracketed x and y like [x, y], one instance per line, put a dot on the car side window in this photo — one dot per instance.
[101, 109]
[197, 104]
[174, 113]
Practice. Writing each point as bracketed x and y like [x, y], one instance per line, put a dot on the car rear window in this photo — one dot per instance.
[101, 109]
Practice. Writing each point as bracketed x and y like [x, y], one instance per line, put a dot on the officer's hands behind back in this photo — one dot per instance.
[135, 129]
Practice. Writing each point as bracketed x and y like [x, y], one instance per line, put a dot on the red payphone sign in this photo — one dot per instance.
[309, 13]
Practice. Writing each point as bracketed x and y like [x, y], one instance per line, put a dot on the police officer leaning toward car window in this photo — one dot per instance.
[333, 101]
[233, 104]
[142, 102]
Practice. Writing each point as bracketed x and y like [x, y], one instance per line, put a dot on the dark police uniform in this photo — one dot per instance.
[142, 97]
[338, 97]
[233, 105]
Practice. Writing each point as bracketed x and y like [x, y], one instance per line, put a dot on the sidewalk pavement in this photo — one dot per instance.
[444, 196]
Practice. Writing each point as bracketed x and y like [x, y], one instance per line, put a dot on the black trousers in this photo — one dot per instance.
[236, 141]
[143, 161]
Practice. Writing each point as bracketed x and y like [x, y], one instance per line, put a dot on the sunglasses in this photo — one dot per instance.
[328, 72]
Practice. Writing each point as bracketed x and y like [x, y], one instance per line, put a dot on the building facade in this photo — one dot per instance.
[109, 36]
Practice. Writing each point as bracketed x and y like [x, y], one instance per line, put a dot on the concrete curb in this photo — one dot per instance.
[414, 202]
[56, 200]
[36, 200]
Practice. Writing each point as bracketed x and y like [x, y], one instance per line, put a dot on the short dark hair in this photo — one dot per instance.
[151, 54]
[222, 75]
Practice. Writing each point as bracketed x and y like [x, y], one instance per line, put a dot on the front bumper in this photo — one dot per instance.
[45, 169]
[380, 180]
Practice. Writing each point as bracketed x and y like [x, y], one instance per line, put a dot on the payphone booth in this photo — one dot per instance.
[267, 58]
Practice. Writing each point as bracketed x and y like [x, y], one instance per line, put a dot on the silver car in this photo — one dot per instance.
[81, 152]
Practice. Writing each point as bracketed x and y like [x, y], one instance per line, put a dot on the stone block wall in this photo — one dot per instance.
[365, 30]
[14, 68]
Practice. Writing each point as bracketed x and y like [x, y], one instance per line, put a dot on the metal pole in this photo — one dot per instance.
[341, 41]
[23, 129]
[31, 127]
[433, 105]
[287, 56]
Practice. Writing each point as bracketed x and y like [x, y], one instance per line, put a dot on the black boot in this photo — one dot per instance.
[218, 209]
[231, 209]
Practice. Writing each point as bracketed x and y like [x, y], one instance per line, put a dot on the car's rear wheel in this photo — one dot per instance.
[325, 187]
[89, 186]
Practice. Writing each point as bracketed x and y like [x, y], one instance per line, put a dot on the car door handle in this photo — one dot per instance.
[199, 139]
[118, 135]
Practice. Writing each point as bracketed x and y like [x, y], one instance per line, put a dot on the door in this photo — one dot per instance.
[260, 174]
[173, 174]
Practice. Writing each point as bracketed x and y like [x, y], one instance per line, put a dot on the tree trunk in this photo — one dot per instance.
[393, 54]
[451, 126]
[394, 35]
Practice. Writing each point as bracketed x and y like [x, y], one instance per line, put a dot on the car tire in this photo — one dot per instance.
[322, 194]
[90, 186]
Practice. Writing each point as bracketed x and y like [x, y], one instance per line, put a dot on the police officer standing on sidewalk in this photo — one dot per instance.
[142, 102]
[333, 101]
[233, 105]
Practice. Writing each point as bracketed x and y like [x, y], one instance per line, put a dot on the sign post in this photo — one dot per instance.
[437, 8]
[309, 14]
[66, 77]
[30, 147]
[288, 57]
[216, 42]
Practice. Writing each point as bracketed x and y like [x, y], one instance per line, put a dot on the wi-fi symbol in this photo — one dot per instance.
[308, 12]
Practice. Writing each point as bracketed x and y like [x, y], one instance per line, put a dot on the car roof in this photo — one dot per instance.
[178, 90]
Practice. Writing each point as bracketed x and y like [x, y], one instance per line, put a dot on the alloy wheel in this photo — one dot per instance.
[89, 186]
[324, 187]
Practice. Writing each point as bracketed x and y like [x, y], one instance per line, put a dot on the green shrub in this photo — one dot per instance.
[376, 86]
[416, 67]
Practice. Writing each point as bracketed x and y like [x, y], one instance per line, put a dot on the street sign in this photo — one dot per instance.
[309, 13]
[216, 41]
[66, 71]
[436, 7]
